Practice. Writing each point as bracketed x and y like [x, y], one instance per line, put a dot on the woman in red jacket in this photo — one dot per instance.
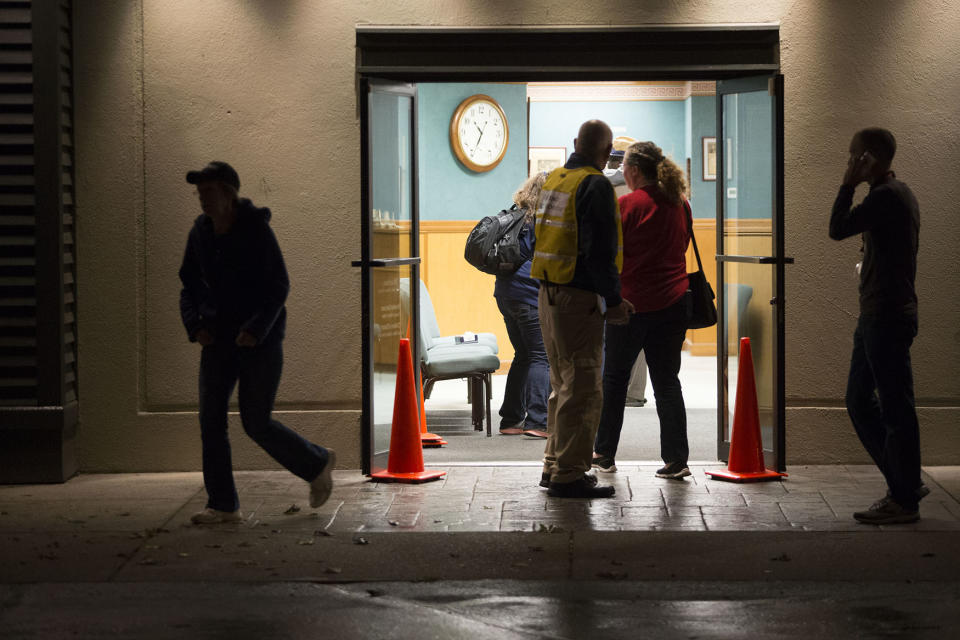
[656, 233]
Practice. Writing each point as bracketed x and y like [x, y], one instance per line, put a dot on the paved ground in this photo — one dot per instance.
[482, 553]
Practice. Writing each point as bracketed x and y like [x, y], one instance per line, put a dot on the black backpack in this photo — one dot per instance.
[493, 246]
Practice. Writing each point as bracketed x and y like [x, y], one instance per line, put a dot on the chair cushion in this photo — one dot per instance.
[461, 360]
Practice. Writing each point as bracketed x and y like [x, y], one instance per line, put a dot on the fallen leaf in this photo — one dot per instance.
[360, 541]
[183, 554]
[550, 528]
[293, 508]
[613, 575]
[305, 542]
[333, 570]
[322, 532]
[393, 523]
[148, 562]
[213, 546]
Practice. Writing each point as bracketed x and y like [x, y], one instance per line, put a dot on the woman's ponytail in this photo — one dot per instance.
[649, 158]
[672, 180]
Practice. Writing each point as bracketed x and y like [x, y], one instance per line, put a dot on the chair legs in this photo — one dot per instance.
[481, 392]
[476, 401]
[488, 378]
[479, 395]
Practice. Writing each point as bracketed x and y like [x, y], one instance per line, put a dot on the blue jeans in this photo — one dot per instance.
[528, 382]
[659, 334]
[881, 404]
[258, 371]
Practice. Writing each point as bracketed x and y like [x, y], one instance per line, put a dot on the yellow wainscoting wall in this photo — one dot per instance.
[463, 297]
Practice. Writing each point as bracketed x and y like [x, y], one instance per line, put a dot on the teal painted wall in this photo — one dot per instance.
[448, 190]
[703, 123]
[751, 133]
[676, 126]
[555, 124]
[391, 167]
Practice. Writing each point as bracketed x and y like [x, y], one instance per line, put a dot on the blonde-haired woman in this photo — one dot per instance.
[654, 217]
[524, 408]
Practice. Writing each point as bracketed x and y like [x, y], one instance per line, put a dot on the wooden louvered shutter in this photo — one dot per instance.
[38, 337]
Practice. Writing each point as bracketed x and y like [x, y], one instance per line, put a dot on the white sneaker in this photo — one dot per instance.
[322, 485]
[214, 516]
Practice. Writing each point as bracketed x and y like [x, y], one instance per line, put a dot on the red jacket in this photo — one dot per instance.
[655, 239]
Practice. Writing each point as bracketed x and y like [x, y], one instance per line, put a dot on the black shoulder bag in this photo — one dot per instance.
[703, 312]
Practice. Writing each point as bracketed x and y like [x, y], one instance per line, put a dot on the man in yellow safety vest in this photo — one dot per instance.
[578, 257]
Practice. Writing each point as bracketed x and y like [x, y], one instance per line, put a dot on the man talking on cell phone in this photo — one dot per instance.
[879, 394]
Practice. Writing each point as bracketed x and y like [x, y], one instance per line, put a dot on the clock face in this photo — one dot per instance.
[479, 133]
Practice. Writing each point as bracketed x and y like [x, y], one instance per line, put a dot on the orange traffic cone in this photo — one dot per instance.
[746, 447]
[426, 438]
[405, 463]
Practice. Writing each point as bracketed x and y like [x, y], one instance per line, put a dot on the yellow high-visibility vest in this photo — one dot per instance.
[555, 254]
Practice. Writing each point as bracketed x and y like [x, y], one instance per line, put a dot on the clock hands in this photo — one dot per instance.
[477, 145]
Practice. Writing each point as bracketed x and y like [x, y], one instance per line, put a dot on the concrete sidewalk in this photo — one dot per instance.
[124, 542]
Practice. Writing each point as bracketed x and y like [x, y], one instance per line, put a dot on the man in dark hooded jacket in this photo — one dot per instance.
[235, 285]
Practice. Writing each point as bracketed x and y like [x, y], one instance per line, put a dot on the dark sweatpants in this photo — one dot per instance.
[881, 404]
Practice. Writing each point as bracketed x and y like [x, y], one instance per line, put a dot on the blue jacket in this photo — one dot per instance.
[235, 281]
[519, 286]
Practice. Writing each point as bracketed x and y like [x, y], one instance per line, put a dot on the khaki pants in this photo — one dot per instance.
[572, 328]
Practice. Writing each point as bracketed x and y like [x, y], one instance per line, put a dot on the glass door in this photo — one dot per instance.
[390, 253]
[750, 256]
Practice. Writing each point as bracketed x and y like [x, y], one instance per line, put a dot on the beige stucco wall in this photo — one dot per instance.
[166, 85]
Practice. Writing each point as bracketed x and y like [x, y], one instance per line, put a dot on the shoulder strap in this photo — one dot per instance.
[693, 238]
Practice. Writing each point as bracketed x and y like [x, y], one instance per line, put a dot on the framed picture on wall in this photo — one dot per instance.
[709, 159]
[545, 158]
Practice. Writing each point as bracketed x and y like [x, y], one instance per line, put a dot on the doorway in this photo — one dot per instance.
[390, 54]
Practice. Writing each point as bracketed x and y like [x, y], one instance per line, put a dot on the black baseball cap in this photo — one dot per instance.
[215, 170]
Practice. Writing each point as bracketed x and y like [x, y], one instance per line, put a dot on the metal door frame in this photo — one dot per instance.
[775, 458]
[472, 54]
[371, 459]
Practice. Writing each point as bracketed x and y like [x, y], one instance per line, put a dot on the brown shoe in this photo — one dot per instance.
[535, 433]
[510, 431]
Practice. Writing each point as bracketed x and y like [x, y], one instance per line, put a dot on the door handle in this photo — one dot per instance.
[753, 259]
[385, 262]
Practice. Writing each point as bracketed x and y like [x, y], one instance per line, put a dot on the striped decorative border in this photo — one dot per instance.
[616, 92]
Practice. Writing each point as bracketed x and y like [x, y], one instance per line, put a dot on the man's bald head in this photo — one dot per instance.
[594, 142]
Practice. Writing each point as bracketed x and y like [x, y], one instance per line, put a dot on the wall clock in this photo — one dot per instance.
[479, 133]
